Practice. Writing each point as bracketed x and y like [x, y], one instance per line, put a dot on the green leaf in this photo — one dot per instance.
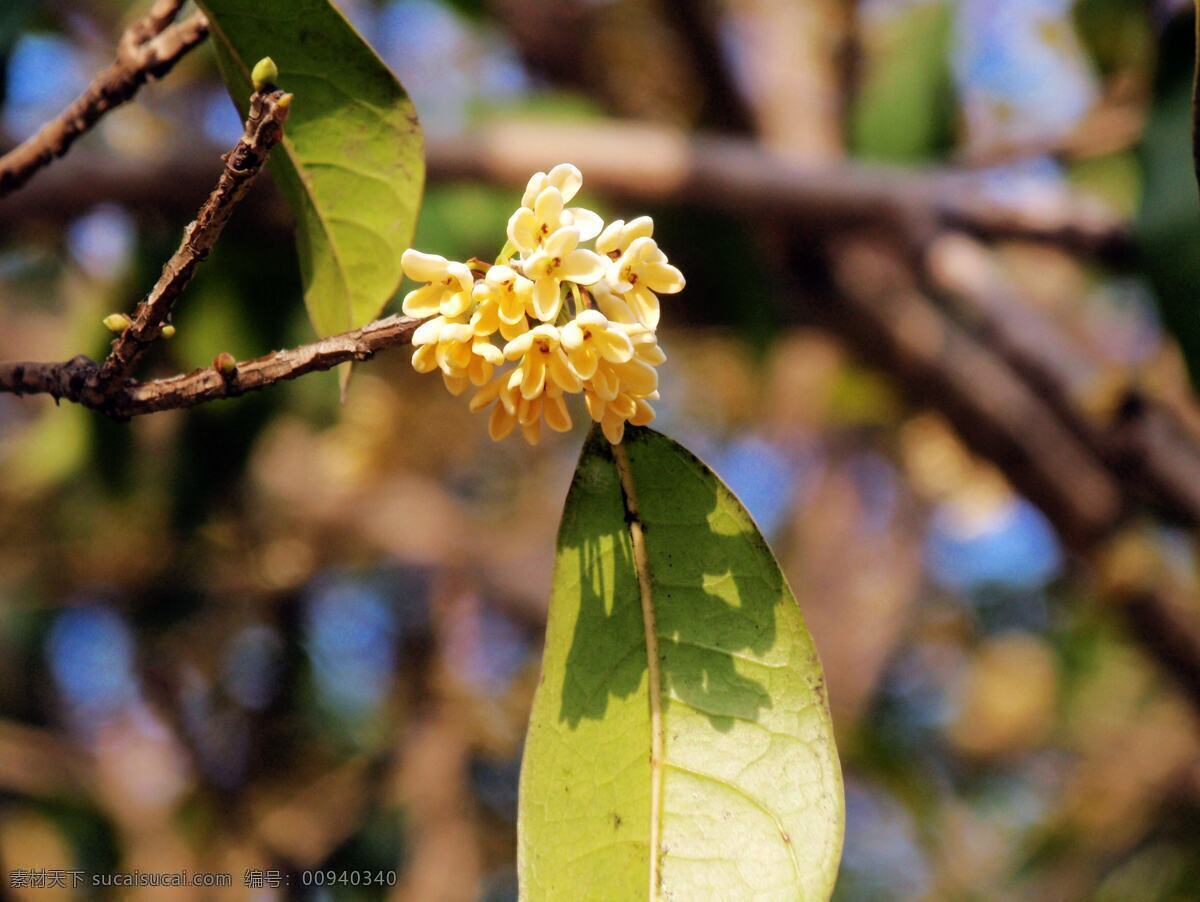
[706, 764]
[905, 108]
[352, 166]
[1168, 226]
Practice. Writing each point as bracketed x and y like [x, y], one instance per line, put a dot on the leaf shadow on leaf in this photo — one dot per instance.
[713, 597]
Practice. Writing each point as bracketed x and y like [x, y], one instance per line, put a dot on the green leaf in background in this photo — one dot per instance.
[352, 166]
[1168, 226]
[904, 111]
[708, 766]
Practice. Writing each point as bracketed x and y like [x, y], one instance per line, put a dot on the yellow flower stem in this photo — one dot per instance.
[506, 253]
[579, 304]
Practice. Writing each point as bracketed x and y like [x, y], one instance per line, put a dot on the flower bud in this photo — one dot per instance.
[168, 331]
[265, 73]
[117, 322]
[224, 364]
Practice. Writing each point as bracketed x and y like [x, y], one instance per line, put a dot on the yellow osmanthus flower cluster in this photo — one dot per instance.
[570, 319]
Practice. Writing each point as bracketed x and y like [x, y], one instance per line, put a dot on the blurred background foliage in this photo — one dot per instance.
[278, 632]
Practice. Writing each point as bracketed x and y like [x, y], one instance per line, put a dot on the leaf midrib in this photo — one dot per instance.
[641, 561]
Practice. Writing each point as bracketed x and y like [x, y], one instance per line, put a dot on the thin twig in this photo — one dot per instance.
[78, 379]
[264, 128]
[148, 49]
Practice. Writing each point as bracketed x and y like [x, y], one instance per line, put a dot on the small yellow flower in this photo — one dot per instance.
[451, 345]
[590, 338]
[510, 409]
[543, 362]
[448, 285]
[616, 238]
[565, 177]
[503, 297]
[636, 376]
[640, 274]
[502, 393]
[567, 180]
[560, 259]
[612, 415]
[551, 407]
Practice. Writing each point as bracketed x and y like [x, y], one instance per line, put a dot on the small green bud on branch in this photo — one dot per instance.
[168, 331]
[264, 74]
[117, 322]
[225, 364]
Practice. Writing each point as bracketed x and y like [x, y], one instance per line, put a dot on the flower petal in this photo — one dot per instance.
[584, 361]
[562, 242]
[612, 305]
[456, 385]
[529, 410]
[613, 345]
[650, 353]
[548, 211]
[566, 178]
[644, 415]
[509, 331]
[610, 239]
[501, 423]
[421, 267]
[429, 331]
[562, 374]
[461, 273]
[644, 304]
[487, 351]
[424, 359]
[636, 377]
[519, 346]
[605, 384]
[557, 416]
[425, 301]
[532, 432]
[595, 405]
[486, 319]
[571, 335]
[613, 427]
[547, 299]
[480, 371]
[639, 227]
[588, 222]
[534, 381]
[485, 395]
[582, 266]
[522, 230]
[533, 188]
[455, 303]
[662, 277]
[623, 405]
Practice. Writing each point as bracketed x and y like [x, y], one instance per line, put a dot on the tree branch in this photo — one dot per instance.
[264, 128]
[78, 379]
[148, 49]
[1007, 400]
[653, 163]
[650, 163]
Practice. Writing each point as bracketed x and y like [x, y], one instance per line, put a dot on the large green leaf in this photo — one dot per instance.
[352, 166]
[680, 735]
